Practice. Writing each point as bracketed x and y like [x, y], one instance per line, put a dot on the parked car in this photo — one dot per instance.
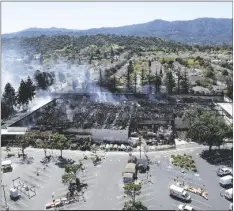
[231, 207]
[223, 171]
[226, 181]
[185, 207]
[229, 194]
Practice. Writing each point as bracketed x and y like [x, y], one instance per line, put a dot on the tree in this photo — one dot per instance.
[170, 82]
[91, 58]
[71, 175]
[5, 110]
[209, 72]
[205, 126]
[44, 142]
[132, 190]
[112, 52]
[105, 55]
[73, 168]
[185, 82]
[98, 52]
[134, 206]
[161, 74]
[31, 88]
[142, 78]
[60, 142]
[149, 62]
[158, 82]
[43, 79]
[68, 177]
[229, 83]
[100, 79]
[8, 149]
[178, 81]
[135, 82]
[129, 71]
[24, 141]
[22, 96]
[9, 96]
[163, 61]
[225, 72]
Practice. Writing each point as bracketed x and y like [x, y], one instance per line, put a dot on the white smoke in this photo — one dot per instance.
[14, 69]
[41, 98]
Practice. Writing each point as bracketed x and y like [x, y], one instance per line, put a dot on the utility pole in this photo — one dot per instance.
[140, 146]
[3, 187]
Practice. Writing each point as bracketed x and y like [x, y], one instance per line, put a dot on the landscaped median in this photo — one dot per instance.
[184, 161]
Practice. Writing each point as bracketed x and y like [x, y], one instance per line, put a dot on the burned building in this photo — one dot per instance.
[110, 118]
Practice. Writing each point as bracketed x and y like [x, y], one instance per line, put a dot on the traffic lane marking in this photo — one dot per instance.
[198, 208]
[201, 202]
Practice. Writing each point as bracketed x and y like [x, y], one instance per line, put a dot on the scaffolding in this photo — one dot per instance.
[23, 188]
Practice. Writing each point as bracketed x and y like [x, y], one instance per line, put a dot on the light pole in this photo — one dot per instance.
[53, 200]
[3, 187]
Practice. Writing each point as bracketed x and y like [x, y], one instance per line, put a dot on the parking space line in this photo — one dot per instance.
[23, 203]
[8, 203]
[11, 206]
[201, 202]
[198, 208]
[120, 202]
[61, 189]
[148, 199]
[39, 178]
[146, 188]
[64, 193]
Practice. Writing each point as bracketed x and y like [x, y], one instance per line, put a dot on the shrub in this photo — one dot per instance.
[184, 161]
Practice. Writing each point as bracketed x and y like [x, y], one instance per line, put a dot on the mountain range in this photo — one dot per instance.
[200, 31]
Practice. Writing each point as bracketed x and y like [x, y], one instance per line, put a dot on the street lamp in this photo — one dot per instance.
[3, 187]
[53, 200]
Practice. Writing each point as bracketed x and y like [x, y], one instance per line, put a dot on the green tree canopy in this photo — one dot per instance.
[132, 189]
[23, 97]
[170, 82]
[60, 142]
[44, 79]
[9, 96]
[205, 126]
[130, 205]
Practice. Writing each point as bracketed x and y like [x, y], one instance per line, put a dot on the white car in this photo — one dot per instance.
[185, 207]
[231, 207]
[223, 171]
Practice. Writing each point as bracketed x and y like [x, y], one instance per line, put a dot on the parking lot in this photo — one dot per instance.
[105, 186]
[155, 190]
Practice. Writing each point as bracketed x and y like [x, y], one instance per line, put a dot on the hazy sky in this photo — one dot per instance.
[17, 16]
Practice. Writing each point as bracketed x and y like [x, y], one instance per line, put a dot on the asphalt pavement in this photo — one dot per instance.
[105, 185]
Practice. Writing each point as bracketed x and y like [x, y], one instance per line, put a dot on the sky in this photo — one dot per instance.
[17, 16]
